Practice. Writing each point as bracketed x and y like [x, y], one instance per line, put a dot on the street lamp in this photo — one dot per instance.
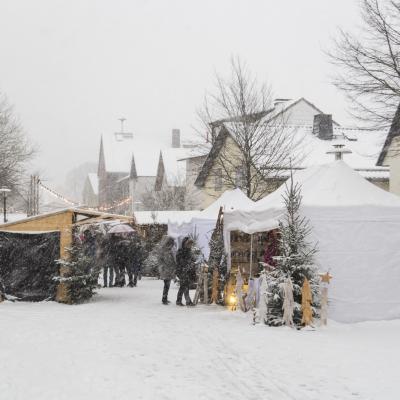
[4, 190]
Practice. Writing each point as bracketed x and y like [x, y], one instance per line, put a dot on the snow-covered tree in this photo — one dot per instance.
[295, 260]
[80, 274]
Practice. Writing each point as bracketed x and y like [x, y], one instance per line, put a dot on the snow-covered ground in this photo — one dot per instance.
[126, 345]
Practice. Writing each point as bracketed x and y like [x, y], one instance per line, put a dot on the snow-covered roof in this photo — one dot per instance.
[12, 217]
[364, 144]
[94, 182]
[197, 150]
[229, 200]
[119, 150]
[163, 217]
[334, 184]
[309, 150]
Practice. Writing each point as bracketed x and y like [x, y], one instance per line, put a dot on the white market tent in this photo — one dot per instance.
[203, 223]
[357, 228]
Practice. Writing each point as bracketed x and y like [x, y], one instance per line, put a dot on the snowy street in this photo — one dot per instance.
[125, 344]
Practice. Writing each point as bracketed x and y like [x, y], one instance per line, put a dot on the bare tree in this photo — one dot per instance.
[242, 110]
[368, 62]
[15, 151]
[177, 197]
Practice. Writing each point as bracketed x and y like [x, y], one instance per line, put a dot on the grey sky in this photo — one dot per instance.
[71, 68]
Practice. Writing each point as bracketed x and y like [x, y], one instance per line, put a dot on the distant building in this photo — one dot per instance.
[126, 166]
[90, 193]
[130, 169]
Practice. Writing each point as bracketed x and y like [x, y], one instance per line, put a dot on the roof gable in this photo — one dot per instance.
[295, 112]
[217, 146]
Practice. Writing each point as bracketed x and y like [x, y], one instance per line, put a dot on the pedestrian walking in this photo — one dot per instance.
[166, 264]
[185, 271]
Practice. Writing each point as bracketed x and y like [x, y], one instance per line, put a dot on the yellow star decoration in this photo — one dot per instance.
[325, 277]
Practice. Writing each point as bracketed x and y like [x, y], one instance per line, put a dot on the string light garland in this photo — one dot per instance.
[55, 194]
[121, 203]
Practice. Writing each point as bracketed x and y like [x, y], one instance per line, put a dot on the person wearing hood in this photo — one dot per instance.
[166, 264]
[136, 258]
[186, 270]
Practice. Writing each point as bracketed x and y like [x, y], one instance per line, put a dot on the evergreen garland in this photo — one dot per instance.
[81, 274]
[296, 261]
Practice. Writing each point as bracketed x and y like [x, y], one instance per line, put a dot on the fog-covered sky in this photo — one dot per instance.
[72, 67]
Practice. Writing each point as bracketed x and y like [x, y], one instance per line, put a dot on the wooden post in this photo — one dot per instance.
[205, 283]
[214, 291]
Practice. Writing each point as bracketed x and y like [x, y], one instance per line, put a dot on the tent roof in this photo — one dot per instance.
[230, 200]
[332, 185]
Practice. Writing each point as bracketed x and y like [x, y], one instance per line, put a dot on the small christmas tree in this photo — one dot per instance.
[295, 261]
[217, 263]
[80, 274]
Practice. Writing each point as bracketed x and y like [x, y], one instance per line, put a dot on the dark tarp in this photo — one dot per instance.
[27, 264]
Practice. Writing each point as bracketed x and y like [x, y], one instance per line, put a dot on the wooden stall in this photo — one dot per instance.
[64, 222]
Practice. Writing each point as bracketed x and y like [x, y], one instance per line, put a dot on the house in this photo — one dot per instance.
[314, 135]
[90, 193]
[390, 153]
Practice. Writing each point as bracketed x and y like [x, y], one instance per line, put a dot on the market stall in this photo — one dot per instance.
[356, 226]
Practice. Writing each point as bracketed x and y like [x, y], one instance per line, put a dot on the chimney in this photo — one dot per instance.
[322, 126]
[176, 138]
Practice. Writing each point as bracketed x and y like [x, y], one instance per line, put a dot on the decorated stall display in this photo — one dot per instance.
[239, 291]
[325, 279]
[306, 300]
[253, 293]
[288, 302]
[202, 285]
[295, 261]
[262, 305]
[247, 252]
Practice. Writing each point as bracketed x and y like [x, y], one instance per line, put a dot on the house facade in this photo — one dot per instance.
[390, 153]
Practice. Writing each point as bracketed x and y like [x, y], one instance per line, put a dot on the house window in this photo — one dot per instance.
[218, 180]
[239, 181]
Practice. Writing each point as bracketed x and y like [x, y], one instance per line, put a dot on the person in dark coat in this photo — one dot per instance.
[166, 264]
[136, 258]
[119, 254]
[185, 270]
[105, 257]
